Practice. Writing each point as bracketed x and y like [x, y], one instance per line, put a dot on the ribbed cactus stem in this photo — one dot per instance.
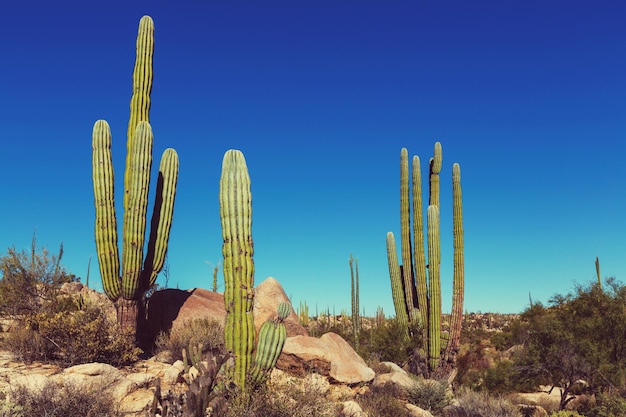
[435, 169]
[106, 223]
[419, 255]
[598, 272]
[236, 219]
[283, 310]
[272, 336]
[138, 174]
[142, 87]
[410, 296]
[397, 286]
[458, 284]
[162, 215]
[434, 283]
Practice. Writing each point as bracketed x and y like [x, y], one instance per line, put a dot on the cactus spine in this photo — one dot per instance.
[127, 289]
[236, 219]
[416, 293]
[272, 336]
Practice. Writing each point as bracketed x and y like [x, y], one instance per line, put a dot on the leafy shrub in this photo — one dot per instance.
[60, 401]
[480, 404]
[71, 338]
[204, 331]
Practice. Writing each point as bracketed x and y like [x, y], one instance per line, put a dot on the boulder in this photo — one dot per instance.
[170, 308]
[415, 411]
[267, 295]
[352, 409]
[388, 374]
[328, 355]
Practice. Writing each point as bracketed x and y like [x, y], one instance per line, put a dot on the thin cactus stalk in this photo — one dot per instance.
[434, 288]
[419, 256]
[598, 273]
[357, 296]
[397, 288]
[238, 249]
[458, 284]
[410, 295]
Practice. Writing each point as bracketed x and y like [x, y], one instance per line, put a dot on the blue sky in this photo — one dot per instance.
[529, 97]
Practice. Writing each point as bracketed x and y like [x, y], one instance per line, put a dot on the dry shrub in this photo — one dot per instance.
[475, 404]
[382, 402]
[308, 400]
[70, 338]
[205, 331]
[59, 401]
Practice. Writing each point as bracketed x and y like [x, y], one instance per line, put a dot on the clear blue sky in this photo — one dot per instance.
[529, 97]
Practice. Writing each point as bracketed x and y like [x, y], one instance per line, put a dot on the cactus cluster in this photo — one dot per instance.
[416, 285]
[127, 286]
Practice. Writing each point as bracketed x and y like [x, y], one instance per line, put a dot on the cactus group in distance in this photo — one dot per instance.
[416, 286]
[127, 287]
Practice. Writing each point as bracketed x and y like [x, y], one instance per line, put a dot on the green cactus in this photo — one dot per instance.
[354, 280]
[127, 285]
[416, 293]
[272, 336]
[238, 268]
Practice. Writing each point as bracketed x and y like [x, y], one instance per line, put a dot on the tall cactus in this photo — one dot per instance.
[354, 285]
[416, 293]
[236, 219]
[126, 287]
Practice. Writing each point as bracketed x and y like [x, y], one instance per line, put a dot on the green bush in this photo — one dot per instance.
[607, 404]
[430, 394]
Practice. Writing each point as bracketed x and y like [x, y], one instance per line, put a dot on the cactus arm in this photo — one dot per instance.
[272, 336]
[162, 215]
[142, 87]
[418, 248]
[397, 291]
[106, 223]
[410, 296]
[458, 273]
[434, 283]
[236, 219]
[435, 169]
[134, 228]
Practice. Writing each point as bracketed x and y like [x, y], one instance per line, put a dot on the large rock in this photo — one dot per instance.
[267, 295]
[171, 308]
[329, 355]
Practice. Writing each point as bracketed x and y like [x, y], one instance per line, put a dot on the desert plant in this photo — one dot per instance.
[430, 394]
[31, 280]
[417, 297]
[66, 400]
[238, 249]
[126, 289]
[271, 339]
[208, 332]
[382, 402]
[472, 404]
[71, 337]
[354, 280]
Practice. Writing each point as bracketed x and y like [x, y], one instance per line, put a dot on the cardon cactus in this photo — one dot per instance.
[272, 336]
[236, 219]
[127, 287]
[416, 292]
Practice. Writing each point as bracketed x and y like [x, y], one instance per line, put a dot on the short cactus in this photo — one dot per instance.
[272, 336]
